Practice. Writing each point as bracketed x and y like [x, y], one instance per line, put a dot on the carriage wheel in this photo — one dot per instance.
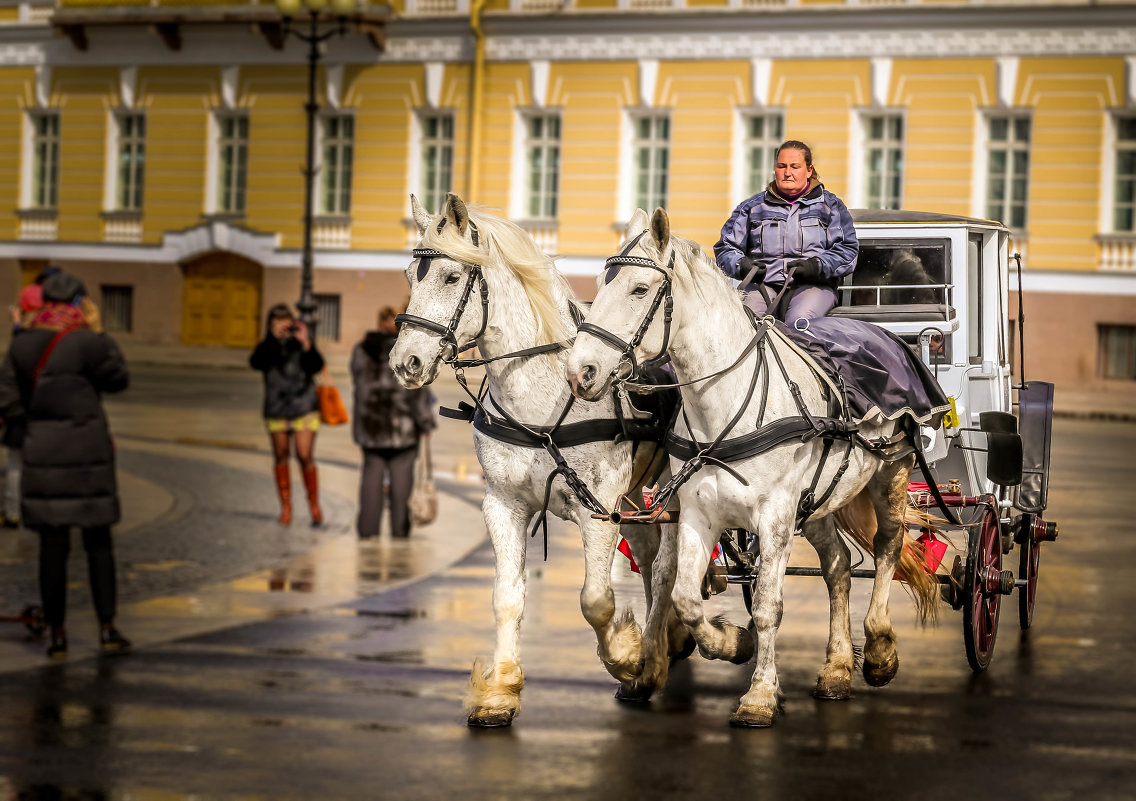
[982, 589]
[1030, 549]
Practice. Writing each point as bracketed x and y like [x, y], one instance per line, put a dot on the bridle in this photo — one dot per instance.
[627, 366]
[450, 349]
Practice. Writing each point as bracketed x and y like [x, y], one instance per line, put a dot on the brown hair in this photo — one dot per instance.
[794, 144]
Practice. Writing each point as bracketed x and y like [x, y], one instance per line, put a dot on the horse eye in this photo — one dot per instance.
[639, 291]
[453, 278]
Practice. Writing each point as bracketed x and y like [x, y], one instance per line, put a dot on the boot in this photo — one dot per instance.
[284, 488]
[311, 484]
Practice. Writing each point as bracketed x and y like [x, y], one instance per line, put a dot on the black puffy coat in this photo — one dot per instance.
[69, 475]
[289, 370]
[386, 414]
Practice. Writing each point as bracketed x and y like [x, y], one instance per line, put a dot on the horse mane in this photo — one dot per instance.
[504, 244]
[696, 271]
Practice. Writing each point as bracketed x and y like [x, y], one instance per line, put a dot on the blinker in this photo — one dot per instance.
[423, 267]
[610, 274]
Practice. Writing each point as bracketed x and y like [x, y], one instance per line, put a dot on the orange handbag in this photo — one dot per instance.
[332, 410]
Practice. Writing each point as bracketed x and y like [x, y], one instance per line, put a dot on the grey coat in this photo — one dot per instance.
[386, 414]
[69, 474]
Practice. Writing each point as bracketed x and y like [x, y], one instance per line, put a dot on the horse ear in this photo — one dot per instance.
[456, 213]
[420, 215]
[637, 223]
[661, 228]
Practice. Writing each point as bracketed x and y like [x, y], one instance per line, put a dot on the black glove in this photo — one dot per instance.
[805, 271]
[745, 266]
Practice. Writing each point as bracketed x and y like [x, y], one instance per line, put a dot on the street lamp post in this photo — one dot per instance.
[314, 39]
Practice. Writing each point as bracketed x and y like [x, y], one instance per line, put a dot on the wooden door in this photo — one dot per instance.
[221, 301]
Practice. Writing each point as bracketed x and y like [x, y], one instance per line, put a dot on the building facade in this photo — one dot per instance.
[157, 150]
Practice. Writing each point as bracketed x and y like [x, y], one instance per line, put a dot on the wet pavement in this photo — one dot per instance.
[336, 669]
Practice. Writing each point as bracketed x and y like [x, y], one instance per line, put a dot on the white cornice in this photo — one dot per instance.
[851, 31]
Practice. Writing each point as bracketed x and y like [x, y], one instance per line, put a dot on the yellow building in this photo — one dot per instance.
[156, 149]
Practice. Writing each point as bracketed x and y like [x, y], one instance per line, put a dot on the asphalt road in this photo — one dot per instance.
[361, 698]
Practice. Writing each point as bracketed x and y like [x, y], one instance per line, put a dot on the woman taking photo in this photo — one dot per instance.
[290, 361]
[793, 235]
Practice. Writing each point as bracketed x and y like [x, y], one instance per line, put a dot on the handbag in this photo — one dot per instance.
[423, 501]
[331, 408]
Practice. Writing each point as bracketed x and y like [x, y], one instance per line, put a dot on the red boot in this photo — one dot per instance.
[284, 488]
[311, 484]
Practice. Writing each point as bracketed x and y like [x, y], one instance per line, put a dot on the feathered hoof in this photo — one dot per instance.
[833, 688]
[752, 717]
[877, 675]
[490, 718]
[633, 693]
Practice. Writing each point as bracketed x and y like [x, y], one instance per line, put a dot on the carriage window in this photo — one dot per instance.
[974, 299]
[900, 273]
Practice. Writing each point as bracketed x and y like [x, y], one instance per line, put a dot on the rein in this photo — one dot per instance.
[721, 451]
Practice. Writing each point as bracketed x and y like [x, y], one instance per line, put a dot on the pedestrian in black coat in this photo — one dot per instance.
[290, 362]
[56, 370]
[389, 420]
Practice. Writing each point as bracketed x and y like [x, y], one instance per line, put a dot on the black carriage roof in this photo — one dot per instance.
[901, 216]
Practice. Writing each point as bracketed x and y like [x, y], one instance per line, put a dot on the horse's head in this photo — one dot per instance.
[629, 321]
[448, 299]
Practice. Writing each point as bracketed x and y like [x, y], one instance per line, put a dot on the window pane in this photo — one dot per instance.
[1126, 128]
[998, 162]
[1022, 129]
[999, 128]
[1123, 218]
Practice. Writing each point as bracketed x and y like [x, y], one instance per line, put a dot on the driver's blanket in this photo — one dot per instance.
[883, 377]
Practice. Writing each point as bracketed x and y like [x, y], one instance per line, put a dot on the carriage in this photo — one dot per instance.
[940, 282]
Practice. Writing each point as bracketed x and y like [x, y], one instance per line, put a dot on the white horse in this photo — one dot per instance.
[522, 303]
[708, 333]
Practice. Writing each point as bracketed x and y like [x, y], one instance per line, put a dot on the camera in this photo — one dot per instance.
[293, 328]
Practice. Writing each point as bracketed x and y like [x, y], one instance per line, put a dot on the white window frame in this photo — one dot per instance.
[113, 178]
[524, 143]
[213, 186]
[633, 144]
[345, 167]
[742, 185]
[1011, 146]
[31, 163]
[889, 145]
[417, 170]
[1110, 169]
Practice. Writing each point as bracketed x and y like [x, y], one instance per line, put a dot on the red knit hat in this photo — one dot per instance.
[31, 298]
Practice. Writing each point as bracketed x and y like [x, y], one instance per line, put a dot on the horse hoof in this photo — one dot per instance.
[752, 717]
[881, 674]
[635, 694]
[490, 718]
[833, 688]
[743, 647]
[687, 649]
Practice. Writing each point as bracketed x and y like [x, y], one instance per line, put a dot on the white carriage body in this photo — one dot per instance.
[919, 273]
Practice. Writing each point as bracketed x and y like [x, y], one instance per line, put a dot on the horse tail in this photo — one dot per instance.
[857, 519]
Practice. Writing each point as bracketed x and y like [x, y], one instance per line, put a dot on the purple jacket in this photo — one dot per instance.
[772, 232]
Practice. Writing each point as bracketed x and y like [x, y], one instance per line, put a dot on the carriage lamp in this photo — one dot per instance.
[314, 38]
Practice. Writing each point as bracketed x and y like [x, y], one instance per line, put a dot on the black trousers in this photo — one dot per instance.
[377, 463]
[54, 549]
